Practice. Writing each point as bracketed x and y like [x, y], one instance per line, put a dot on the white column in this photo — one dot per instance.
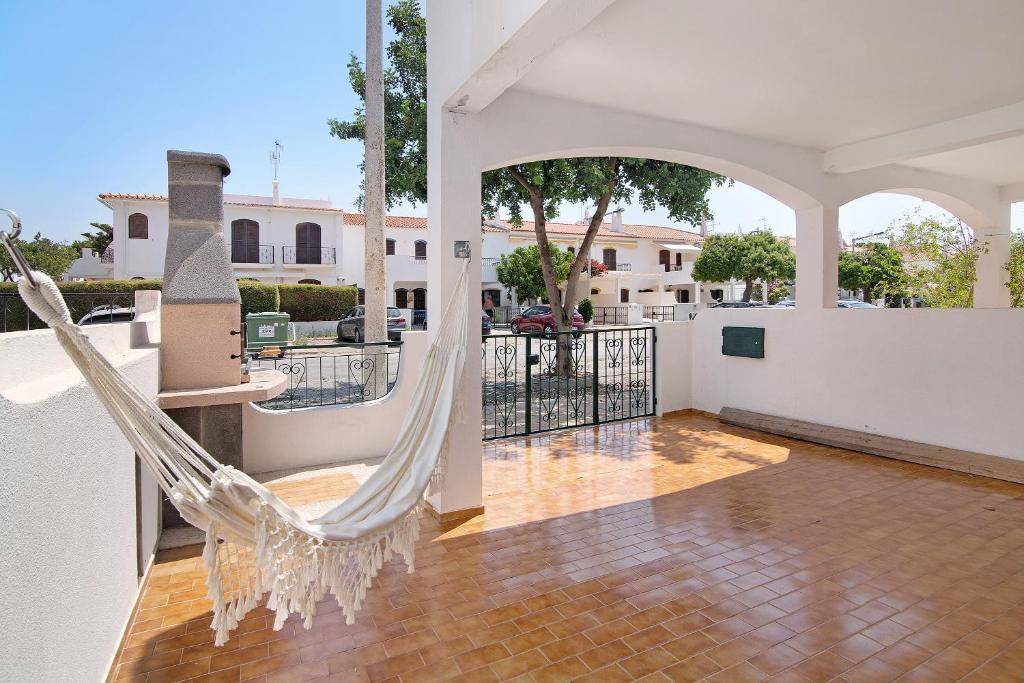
[453, 213]
[990, 290]
[817, 257]
[120, 243]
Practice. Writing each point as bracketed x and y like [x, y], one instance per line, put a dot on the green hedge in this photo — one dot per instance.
[310, 303]
[304, 303]
[258, 297]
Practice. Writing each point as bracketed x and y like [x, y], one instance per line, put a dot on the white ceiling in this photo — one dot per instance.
[807, 72]
[1000, 162]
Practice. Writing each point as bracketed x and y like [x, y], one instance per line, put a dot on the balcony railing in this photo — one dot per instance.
[309, 255]
[419, 257]
[490, 261]
[107, 256]
[619, 267]
[244, 252]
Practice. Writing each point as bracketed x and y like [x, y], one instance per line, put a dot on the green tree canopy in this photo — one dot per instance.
[97, 241]
[942, 256]
[42, 254]
[1016, 268]
[875, 269]
[754, 256]
[521, 271]
[405, 106]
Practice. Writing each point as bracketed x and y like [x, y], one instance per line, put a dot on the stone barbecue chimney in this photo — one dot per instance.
[617, 220]
[201, 305]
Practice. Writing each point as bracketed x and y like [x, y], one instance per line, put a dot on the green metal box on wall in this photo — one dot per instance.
[745, 342]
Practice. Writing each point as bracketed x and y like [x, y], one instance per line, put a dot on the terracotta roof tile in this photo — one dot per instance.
[409, 222]
[162, 198]
[654, 232]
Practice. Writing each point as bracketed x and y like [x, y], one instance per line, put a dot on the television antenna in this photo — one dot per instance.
[275, 156]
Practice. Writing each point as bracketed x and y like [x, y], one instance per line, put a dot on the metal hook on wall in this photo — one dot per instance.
[8, 241]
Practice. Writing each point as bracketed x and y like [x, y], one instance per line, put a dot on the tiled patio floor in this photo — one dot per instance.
[669, 549]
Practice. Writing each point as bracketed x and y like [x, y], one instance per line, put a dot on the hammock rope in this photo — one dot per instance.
[255, 543]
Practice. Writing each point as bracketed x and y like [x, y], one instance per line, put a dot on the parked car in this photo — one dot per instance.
[485, 327]
[353, 326]
[853, 303]
[540, 319]
[738, 304]
[107, 314]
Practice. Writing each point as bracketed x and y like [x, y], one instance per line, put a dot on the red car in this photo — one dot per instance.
[540, 319]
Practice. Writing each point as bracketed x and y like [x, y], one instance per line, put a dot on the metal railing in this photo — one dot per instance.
[537, 383]
[610, 315]
[107, 256]
[308, 255]
[502, 315]
[244, 252]
[104, 307]
[660, 314]
[333, 374]
[620, 267]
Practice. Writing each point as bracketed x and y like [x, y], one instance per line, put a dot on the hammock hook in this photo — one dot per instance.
[8, 241]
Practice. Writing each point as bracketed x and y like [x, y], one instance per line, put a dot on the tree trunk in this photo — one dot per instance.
[373, 232]
[867, 295]
[748, 289]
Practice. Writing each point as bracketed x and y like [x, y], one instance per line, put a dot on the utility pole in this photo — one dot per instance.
[374, 266]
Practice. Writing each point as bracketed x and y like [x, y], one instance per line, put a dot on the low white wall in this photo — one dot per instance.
[674, 350]
[283, 439]
[945, 377]
[67, 510]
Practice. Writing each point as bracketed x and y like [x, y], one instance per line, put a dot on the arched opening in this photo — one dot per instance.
[402, 297]
[138, 226]
[309, 281]
[420, 250]
[682, 296]
[389, 249]
[245, 241]
[665, 259]
[307, 243]
[419, 299]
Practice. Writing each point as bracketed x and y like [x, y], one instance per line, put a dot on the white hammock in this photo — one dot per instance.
[255, 543]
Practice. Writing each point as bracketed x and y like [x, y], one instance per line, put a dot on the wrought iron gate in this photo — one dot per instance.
[537, 383]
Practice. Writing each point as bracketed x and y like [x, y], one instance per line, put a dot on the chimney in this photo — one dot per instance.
[617, 220]
[703, 225]
[201, 306]
[277, 192]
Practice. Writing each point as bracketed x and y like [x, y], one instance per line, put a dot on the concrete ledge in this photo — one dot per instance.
[262, 385]
[875, 444]
[454, 515]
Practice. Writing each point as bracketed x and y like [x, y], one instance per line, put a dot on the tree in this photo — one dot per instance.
[754, 256]
[42, 254]
[521, 271]
[1016, 270]
[97, 241]
[874, 268]
[405, 106]
[541, 185]
[942, 255]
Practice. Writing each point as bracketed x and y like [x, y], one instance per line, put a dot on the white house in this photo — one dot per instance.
[288, 240]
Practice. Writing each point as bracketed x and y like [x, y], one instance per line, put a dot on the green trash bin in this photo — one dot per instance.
[266, 329]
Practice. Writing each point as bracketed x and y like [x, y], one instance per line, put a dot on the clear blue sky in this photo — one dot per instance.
[95, 93]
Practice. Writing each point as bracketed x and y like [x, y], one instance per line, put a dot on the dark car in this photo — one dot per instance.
[102, 315]
[540, 319]
[353, 326]
[485, 327]
[738, 304]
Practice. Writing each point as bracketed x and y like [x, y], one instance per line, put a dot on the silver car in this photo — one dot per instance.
[353, 326]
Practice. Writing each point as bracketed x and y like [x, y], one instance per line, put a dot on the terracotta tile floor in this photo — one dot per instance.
[674, 549]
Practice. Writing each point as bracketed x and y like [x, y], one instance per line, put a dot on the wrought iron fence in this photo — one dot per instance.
[610, 315]
[537, 383]
[333, 374]
[308, 255]
[660, 314]
[245, 252]
[502, 315]
[88, 308]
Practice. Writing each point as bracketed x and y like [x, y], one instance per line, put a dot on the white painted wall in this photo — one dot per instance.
[67, 510]
[284, 439]
[946, 377]
[674, 358]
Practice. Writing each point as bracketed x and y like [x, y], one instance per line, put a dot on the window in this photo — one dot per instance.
[419, 298]
[608, 255]
[679, 261]
[623, 296]
[402, 297]
[682, 296]
[420, 249]
[572, 250]
[309, 281]
[595, 291]
[361, 296]
[307, 243]
[389, 247]
[717, 294]
[138, 226]
[245, 238]
[665, 259]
